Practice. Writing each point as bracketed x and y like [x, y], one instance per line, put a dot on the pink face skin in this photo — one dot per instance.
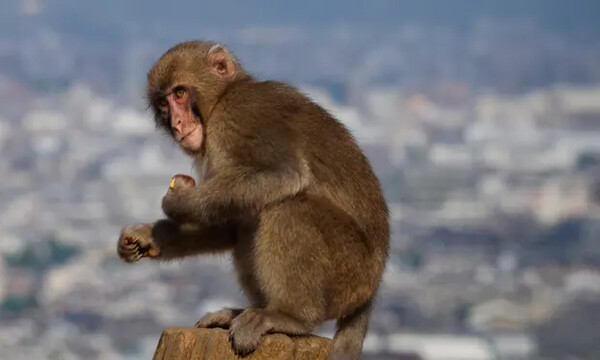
[187, 130]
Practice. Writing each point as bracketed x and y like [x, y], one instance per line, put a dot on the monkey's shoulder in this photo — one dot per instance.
[265, 106]
[267, 96]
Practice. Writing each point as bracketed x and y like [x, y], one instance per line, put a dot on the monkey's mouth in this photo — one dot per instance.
[193, 139]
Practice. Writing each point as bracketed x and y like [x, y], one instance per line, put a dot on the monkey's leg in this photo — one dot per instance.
[292, 266]
[242, 259]
[165, 240]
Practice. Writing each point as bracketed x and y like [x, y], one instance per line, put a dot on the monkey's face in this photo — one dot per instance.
[178, 112]
[185, 84]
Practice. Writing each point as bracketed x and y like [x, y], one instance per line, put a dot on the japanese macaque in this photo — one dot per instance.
[283, 186]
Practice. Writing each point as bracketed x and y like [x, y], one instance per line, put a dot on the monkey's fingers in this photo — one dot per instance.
[149, 251]
[181, 180]
[129, 252]
[129, 246]
[130, 240]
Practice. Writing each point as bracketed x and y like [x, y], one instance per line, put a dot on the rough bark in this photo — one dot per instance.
[200, 344]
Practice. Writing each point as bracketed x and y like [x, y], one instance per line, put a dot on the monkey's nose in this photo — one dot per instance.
[177, 133]
[177, 126]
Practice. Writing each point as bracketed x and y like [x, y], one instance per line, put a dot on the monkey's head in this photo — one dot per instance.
[185, 84]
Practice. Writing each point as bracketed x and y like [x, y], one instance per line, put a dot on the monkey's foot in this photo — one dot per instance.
[221, 319]
[246, 330]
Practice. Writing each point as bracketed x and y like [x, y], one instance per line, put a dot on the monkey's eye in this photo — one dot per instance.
[163, 102]
[179, 92]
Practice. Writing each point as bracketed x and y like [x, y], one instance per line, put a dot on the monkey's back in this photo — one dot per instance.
[340, 172]
[343, 175]
[343, 193]
[343, 181]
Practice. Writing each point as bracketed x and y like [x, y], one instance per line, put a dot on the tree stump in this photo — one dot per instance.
[200, 344]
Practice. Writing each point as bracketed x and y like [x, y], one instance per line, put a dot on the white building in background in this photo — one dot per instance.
[558, 199]
[364, 131]
[513, 346]
[578, 100]
[441, 346]
[505, 120]
[583, 281]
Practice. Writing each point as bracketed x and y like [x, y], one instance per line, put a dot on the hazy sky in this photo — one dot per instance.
[580, 17]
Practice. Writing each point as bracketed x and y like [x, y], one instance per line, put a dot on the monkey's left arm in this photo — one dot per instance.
[254, 176]
[233, 190]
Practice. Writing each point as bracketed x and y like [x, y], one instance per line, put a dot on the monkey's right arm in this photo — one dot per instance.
[165, 240]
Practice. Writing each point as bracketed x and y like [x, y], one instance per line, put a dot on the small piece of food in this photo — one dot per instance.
[182, 180]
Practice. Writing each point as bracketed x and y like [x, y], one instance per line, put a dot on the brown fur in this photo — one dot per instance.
[285, 187]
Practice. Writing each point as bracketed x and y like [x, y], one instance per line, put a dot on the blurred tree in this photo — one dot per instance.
[42, 255]
[14, 305]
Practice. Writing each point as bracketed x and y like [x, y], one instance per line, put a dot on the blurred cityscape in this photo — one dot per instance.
[486, 139]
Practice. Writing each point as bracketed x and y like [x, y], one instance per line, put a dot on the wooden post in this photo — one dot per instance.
[203, 344]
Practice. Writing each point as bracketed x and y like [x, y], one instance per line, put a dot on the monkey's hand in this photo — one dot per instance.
[175, 204]
[136, 242]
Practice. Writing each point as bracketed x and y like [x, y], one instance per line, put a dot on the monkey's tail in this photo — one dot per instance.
[350, 333]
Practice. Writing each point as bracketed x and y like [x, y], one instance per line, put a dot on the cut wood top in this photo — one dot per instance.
[187, 343]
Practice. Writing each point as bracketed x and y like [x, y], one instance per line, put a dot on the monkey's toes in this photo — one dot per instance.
[212, 320]
[243, 342]
[246, 331]
[221, 319]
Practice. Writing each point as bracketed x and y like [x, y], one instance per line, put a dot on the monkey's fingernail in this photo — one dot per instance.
[153, 252]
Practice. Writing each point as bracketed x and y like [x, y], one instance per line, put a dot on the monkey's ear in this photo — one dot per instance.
[221, 62]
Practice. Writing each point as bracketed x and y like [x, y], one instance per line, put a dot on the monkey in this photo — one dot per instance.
[283, 187]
